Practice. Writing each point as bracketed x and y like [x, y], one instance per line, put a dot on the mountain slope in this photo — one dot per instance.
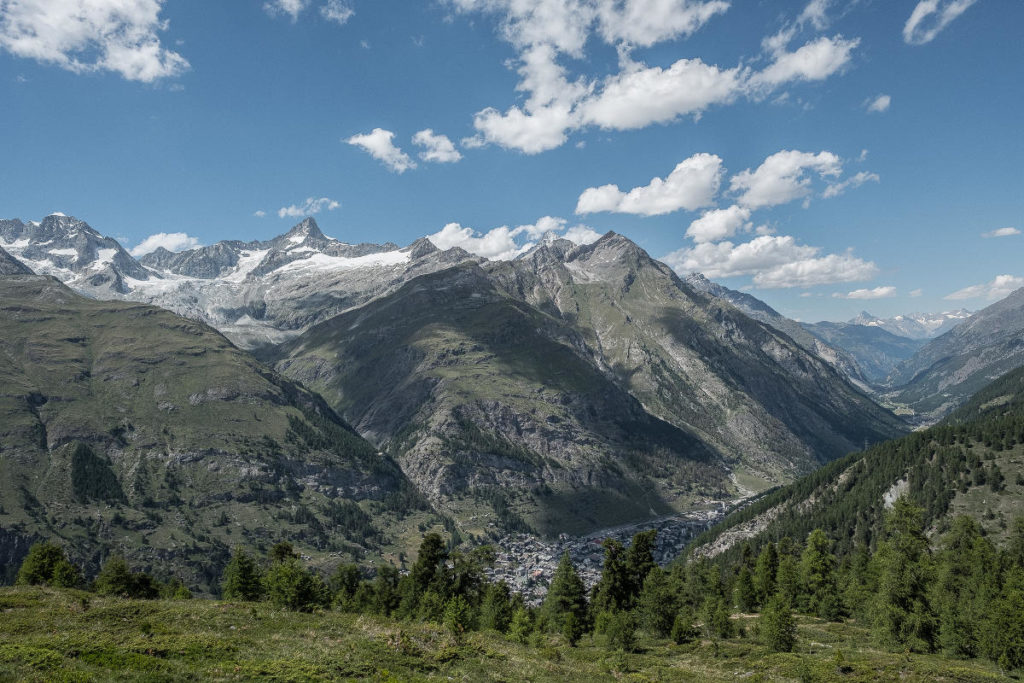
[950, 368]
[697, 361]
[567, 351]
[12, 266]
[876, 351]
[835, 356]
[972, 463]
[489, 403]
[127, 428]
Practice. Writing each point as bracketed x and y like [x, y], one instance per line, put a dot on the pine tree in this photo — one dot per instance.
[566, 596]
[744, 594]
[683, 630]
[46, 564]
[764, 573]
[788, 578]
[656, 605]
[776, 625]
[612, 591]
[1004, 630]
[459, 616]
[241, 579]
[902, 614]
[496, 610]
[289, 585]
[640, 561]
[522, 625]
[717, 619]
[817, 572]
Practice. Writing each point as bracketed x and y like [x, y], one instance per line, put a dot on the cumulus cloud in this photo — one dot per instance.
[498, 244]
[337, 11]
[311, 206]
[639, 95]
[1001, 232]
[378, 144]
[692, 184]
[856, 180]
[171, 241]
[505, 243]
[773, 261]
[581, 234]
[782, 177]
[815, 61]
[436, 148]
[260, 213]
[999, 288]
[717, 224]
[98, 35]
[878, 104]
[876, 293]
[292, 8]
[929, 17]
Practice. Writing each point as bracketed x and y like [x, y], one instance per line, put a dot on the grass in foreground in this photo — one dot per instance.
[66, 635]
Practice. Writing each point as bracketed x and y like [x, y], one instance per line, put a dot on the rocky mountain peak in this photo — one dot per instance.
[305, 231]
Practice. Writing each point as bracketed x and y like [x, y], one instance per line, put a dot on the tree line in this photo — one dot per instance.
[964, 597]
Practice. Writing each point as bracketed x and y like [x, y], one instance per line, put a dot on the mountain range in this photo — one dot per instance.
[915, 325]
[575, 387]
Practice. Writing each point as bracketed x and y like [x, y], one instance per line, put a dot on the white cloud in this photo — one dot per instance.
[878, 104]
[259, 213]
[581, 234]
[876, 293]
[692, 184]
[91, 35]
[436, 148]
[856, 180]
[311, 206]
[815, 13]
[638, 97]
[290, 7]
[337, 11]
[171, 241]
[930, 17]
[498, 244]
[999, 288]
[646, 22]
[774, 262]
[814, 61]
[781, 178]
[504, 243]
[916, 292]
[1001, 232]
[378, 144]
[717, 224]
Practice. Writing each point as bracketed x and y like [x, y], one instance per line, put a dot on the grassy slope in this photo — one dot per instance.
[72, 636]
[201, 437]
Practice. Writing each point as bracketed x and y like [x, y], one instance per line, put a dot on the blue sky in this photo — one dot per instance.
[828, 156]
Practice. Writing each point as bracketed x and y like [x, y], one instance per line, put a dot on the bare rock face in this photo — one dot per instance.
[12, 266]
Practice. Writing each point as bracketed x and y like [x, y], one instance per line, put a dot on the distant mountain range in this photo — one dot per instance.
[915, 325]
[951, 368]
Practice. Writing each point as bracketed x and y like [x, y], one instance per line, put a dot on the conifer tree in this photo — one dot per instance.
[818, 578]
[745, 596]
[683, 630]
[776, 625]
[566, 596]
[46, 564]
[612, 591]
[496, 610]
[764, 573]
[902, 614]
[241, 579]
[640, 561]
[656, 605]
